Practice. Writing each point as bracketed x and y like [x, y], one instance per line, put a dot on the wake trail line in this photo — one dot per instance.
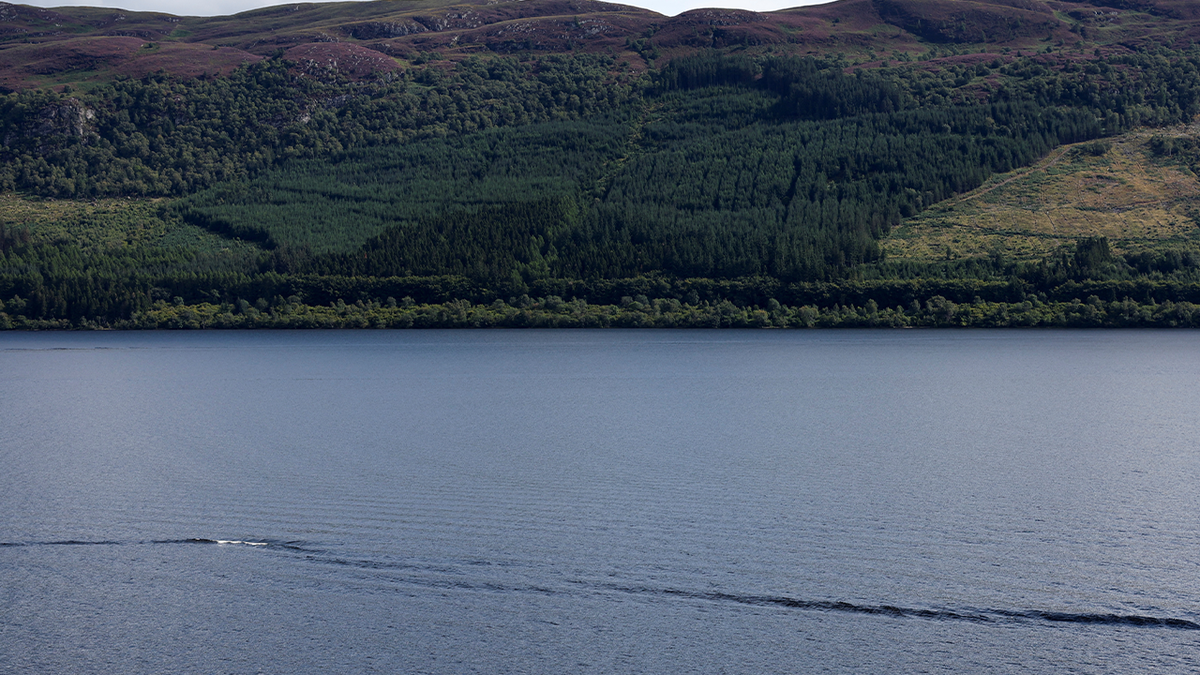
[292, 545]
[454, 576]
[941, 614]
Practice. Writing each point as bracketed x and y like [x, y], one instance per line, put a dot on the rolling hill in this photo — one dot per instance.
[556, 162]
[75, 45]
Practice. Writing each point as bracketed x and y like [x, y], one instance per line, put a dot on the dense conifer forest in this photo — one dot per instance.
[720, 188]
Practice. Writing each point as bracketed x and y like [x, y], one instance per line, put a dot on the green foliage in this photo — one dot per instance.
[11, 237]
[643, 312]
[158, 136]
[498, 243]
[714, 183]
[708, 69]
[325, 207]
[722, 191]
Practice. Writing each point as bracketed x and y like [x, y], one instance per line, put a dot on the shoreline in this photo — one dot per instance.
[936, 312]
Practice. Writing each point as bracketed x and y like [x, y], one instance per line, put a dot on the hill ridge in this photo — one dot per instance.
[36, 45]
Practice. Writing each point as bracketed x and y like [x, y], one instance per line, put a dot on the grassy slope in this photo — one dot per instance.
[1126, 194]
[113, 223]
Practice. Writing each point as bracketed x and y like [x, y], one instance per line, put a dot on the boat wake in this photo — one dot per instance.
[105, 542]
[944, 614]
[453, 576]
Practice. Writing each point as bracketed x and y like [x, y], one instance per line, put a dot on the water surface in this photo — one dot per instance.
[604, 502]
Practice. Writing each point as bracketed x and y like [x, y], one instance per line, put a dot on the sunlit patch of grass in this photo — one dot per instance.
[113, 223]
[98, 223]
[1124, 194]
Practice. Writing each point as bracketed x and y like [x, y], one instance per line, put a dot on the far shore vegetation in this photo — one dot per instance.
[720, 189]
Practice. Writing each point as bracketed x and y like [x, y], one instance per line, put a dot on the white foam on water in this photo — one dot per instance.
[243, 543]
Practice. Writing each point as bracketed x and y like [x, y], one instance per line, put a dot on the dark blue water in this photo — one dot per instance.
[600, 502]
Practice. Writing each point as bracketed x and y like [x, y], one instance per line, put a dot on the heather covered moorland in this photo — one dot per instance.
[547, 163]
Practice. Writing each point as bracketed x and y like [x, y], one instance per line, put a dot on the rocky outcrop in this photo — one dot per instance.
[67, 117]
[382, 30]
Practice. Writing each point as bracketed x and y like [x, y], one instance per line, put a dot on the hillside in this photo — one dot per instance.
[391, 163]
[83, 46]
[1125, 189]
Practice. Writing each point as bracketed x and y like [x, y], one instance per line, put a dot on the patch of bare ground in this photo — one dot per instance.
[1125, 194]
